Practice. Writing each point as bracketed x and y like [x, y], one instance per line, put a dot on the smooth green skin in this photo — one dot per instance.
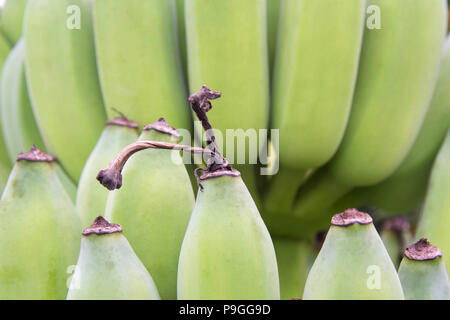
[435, 217]
[424, 280]
[227, 51]
[63, 82]
[341, 272]
[227, 252]
[393, 91]
[181, 23]
[273, 17]
[405, 190]
[40, 234]
[154, 206]
[108, 269]
[294, 261]
[11, 19]
[392, 245]
[91, 195]
[145, 67]
[5, 163]
[19, 126]
[319, 47]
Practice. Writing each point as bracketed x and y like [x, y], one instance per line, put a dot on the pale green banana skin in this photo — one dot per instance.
[108, 269]
[294, 261]
[405, 190]
[5, 163]
[435, 217]
[391, 99]
[393, 91]
[91, 195]
[18, 124]
[340, 270]
[227, 252]
[154, 206]
[424, 280]
[141, 77]
[40, 234]
[63, 82]
[392, 245]
[227, 50]
[11, 19]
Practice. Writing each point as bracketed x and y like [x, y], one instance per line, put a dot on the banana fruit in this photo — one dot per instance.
[154, 207]
[435, 218]
[5, 163]
[39, 231]
[423, 274]
[397, 74]
[318, 52]
[92, 197]
[145, 68]
[396, 234]
[62, 79]
[273, 18]
[11, 19]
[353, 263]
[108, 268]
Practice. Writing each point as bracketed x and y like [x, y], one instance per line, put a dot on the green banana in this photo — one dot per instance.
[423, 274]
[294, 261]
[11, 19]
[353, 263]
[435, 218]
[405, 190]
[153, 221]
[181, 23]
[318, 51]
[145, 68]
[273, 17]
[227, 49]
[227, 252]
[108, 268]
[5, 163]
[62, 79]
[17, 120]
[397, 73]
[396, 235]
[40, 231]
[91, 197]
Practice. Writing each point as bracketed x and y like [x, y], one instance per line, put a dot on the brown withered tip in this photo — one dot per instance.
[162, 126]
[220, 173]
[422, 250]
[349, 217]
[110, 179]
[122, 122]
[35, 155]
[102, 226]
[398, 224]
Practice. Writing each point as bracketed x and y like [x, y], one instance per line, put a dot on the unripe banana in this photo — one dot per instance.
[318, 51]
[227, 252]
[5, 163]
[353, 263]
[154, 207]
[181, 23]
[273, 15]
[92, 197]
[227, 49]
[435, 218]
[145, 68]
[396, 235]
[405, 190]
[108, 268]
[40, 231]
[294, 260]
[11, 19]
[397, 74]
[423, 274]
[62, 79]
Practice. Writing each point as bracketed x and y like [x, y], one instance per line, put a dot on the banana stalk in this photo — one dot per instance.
[145, 68]
[397, 74]
[62, 79]
[435, 218]
[423, 274]
[318, 51]
[39, 231]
